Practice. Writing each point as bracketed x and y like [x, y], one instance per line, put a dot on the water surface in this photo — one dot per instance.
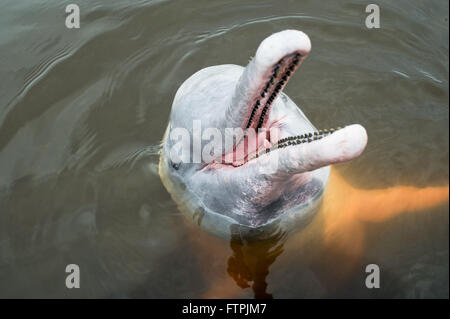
[82, 113]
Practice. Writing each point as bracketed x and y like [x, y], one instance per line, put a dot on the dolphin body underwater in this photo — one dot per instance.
[262, 182]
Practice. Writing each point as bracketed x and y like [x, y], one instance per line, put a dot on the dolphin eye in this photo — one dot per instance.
[176, 166]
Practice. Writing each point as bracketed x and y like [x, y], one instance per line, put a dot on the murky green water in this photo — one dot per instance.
[82, 112]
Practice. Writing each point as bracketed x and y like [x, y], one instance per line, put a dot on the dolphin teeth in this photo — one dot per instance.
[286, 65]
[302, 138]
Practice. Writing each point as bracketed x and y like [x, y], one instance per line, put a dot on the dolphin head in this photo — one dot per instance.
[242, 150]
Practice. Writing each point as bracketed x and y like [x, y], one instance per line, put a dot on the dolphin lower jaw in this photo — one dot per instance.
[294, 155]
[255, 146]
[301, 153]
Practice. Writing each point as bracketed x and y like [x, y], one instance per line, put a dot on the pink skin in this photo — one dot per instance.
[263, 131]
[250, 145]
[273, 72]
[237, 183]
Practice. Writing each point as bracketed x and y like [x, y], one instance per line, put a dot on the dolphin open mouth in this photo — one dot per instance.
[263, 80]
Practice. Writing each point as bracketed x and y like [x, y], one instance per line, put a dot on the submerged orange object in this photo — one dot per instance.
[337, 234]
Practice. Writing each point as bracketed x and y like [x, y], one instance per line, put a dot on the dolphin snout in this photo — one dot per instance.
[281, 44]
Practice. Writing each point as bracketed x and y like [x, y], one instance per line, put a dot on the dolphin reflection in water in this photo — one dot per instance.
[333, 243]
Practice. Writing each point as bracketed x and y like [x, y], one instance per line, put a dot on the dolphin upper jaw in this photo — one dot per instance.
[272, 53]
[281, 44]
